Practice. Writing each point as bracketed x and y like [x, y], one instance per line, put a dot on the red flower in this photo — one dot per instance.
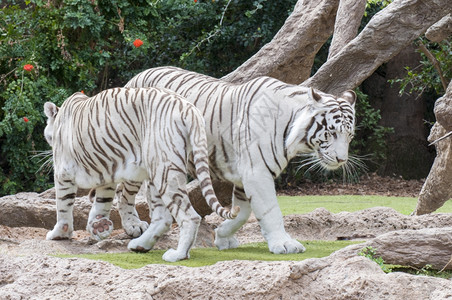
[196, 1]
[137, 43]
[28, 68]
[26, 119]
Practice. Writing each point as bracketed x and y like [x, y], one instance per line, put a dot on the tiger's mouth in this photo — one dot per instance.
[330, 163]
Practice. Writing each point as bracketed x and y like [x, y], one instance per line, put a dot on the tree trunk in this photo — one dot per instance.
[437, 187]
[443, 109]
[290, 55]
[440, 30]
[388, 32]
[349, 15]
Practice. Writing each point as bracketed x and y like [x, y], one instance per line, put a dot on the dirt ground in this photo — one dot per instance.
[28, 272]
[28, 240]
[370, 184]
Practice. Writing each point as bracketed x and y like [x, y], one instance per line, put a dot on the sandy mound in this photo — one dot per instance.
[27, 271]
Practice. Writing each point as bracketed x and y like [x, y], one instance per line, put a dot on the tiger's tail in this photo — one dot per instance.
[200, 158]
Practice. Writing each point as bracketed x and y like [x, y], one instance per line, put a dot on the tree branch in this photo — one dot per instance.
[440, 30]
[434, 62]
[385, 35]
[349, 15]
[290, 55]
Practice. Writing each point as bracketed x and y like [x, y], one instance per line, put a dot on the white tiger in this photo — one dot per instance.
[253, 131]
[127, 135]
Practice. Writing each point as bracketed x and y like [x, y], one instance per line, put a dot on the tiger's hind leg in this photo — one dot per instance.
[224, 234]
[99, 224]
[175, 203]
[178, 203]
[161, 221]
[125, 195]
[65, 197]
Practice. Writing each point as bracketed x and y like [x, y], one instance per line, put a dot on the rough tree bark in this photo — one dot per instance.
[385, 35]
[290, 55]
[349, 15]
[440, 30]
[437, 187]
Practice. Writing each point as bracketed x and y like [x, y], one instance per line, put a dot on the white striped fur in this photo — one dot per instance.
[253, 131]
[127, 135]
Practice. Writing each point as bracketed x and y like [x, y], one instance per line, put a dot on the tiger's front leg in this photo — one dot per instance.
[65, 197]
[131, 223]
[261, 190]
[99, 224]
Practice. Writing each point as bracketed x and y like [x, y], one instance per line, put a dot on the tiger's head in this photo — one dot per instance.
[324, 129]
[51, 112]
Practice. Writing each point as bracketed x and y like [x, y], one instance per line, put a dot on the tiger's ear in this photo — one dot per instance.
[350, 96]
[50, 110]
[313, 95]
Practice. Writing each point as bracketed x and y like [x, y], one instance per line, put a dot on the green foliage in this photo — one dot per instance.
[219, 45]
[371, 253]
[80, 45]
[425, 77]
[380, 4]
[200, 257]
[370, 137]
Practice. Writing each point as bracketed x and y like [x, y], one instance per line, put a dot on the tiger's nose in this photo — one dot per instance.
[340, 160]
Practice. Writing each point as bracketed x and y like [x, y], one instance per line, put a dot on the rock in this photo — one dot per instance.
[365, 224]
[345, 275]
[416, 248]
[30, 210]
[342, 275]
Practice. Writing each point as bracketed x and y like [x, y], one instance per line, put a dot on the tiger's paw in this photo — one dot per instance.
[172, 255]
[223, 243]
[286, 247]
[60, 232]
[100, 228]
[135, 228]
[139, 245]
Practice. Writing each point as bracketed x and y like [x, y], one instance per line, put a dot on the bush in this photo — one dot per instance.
[425, 78]
[80, 45]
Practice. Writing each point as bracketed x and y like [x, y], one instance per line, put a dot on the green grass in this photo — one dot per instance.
[335, 204]
[208, 256]
[259, 251]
